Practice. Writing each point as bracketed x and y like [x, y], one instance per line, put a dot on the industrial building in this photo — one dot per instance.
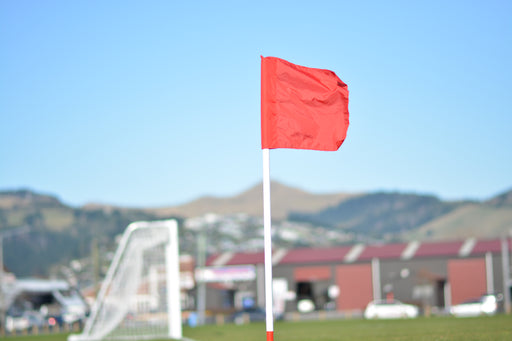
[431, 275]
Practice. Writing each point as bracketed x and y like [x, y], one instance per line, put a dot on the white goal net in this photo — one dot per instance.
[140, 296]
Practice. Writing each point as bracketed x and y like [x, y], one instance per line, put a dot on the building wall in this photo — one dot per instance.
[467, 279]
[497, 271]
[355, 286]
[320, 278]
[312, 273]
[442, 276]
[418, 281]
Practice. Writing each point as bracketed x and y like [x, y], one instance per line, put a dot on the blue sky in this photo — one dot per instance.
[155, 103]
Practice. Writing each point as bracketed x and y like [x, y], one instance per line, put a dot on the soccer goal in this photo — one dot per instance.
[140, 295]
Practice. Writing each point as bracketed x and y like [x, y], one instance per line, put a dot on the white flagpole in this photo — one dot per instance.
[267, 230]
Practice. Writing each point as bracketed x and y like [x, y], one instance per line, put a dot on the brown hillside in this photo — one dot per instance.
[284, 200]
[24, 198]
[472, 220]
[501, 200]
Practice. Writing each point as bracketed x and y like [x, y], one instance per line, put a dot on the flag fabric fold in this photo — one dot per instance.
[302, 107]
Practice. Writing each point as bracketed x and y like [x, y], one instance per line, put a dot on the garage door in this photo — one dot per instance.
[467, 279]
[355, 284]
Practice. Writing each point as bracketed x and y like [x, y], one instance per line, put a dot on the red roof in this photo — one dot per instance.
[317, 255]
[382, 251]
[247, 258]
[484, 246]
[435, 249]
[212, 258]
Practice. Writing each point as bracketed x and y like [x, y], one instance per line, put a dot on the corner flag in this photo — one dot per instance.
[301, 108]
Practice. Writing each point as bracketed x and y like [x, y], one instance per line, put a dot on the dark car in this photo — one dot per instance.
[246, 315]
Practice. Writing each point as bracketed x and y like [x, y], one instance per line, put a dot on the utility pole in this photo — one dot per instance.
[200, 284]
[95, 262]
[505, 262]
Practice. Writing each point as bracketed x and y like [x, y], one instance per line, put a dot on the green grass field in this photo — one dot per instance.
[441, 328]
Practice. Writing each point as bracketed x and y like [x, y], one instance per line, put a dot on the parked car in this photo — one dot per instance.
[388, 309]
[484, 305]
[252, 314]
[23, 321]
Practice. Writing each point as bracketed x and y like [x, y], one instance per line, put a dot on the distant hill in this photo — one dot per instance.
[502, 200]
[415, 216]
[492, 218]
[60, 233]
[17, 199]
[284, 200]
[379, 214]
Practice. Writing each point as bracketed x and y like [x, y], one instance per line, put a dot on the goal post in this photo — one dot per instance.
[139, 298]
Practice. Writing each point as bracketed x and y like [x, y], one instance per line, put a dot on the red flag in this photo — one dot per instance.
[301, 107]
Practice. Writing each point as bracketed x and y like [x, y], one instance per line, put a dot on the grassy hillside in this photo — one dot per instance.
[285, 199]
[57, 233]
[472, 220]
[501, 200]
[380, 214]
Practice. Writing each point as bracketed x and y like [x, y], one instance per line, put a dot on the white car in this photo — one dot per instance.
[485, 305]
[24, 321]
[389, 309]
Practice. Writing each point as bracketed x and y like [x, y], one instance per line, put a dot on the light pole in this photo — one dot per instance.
[200, 284]
[6, 234]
